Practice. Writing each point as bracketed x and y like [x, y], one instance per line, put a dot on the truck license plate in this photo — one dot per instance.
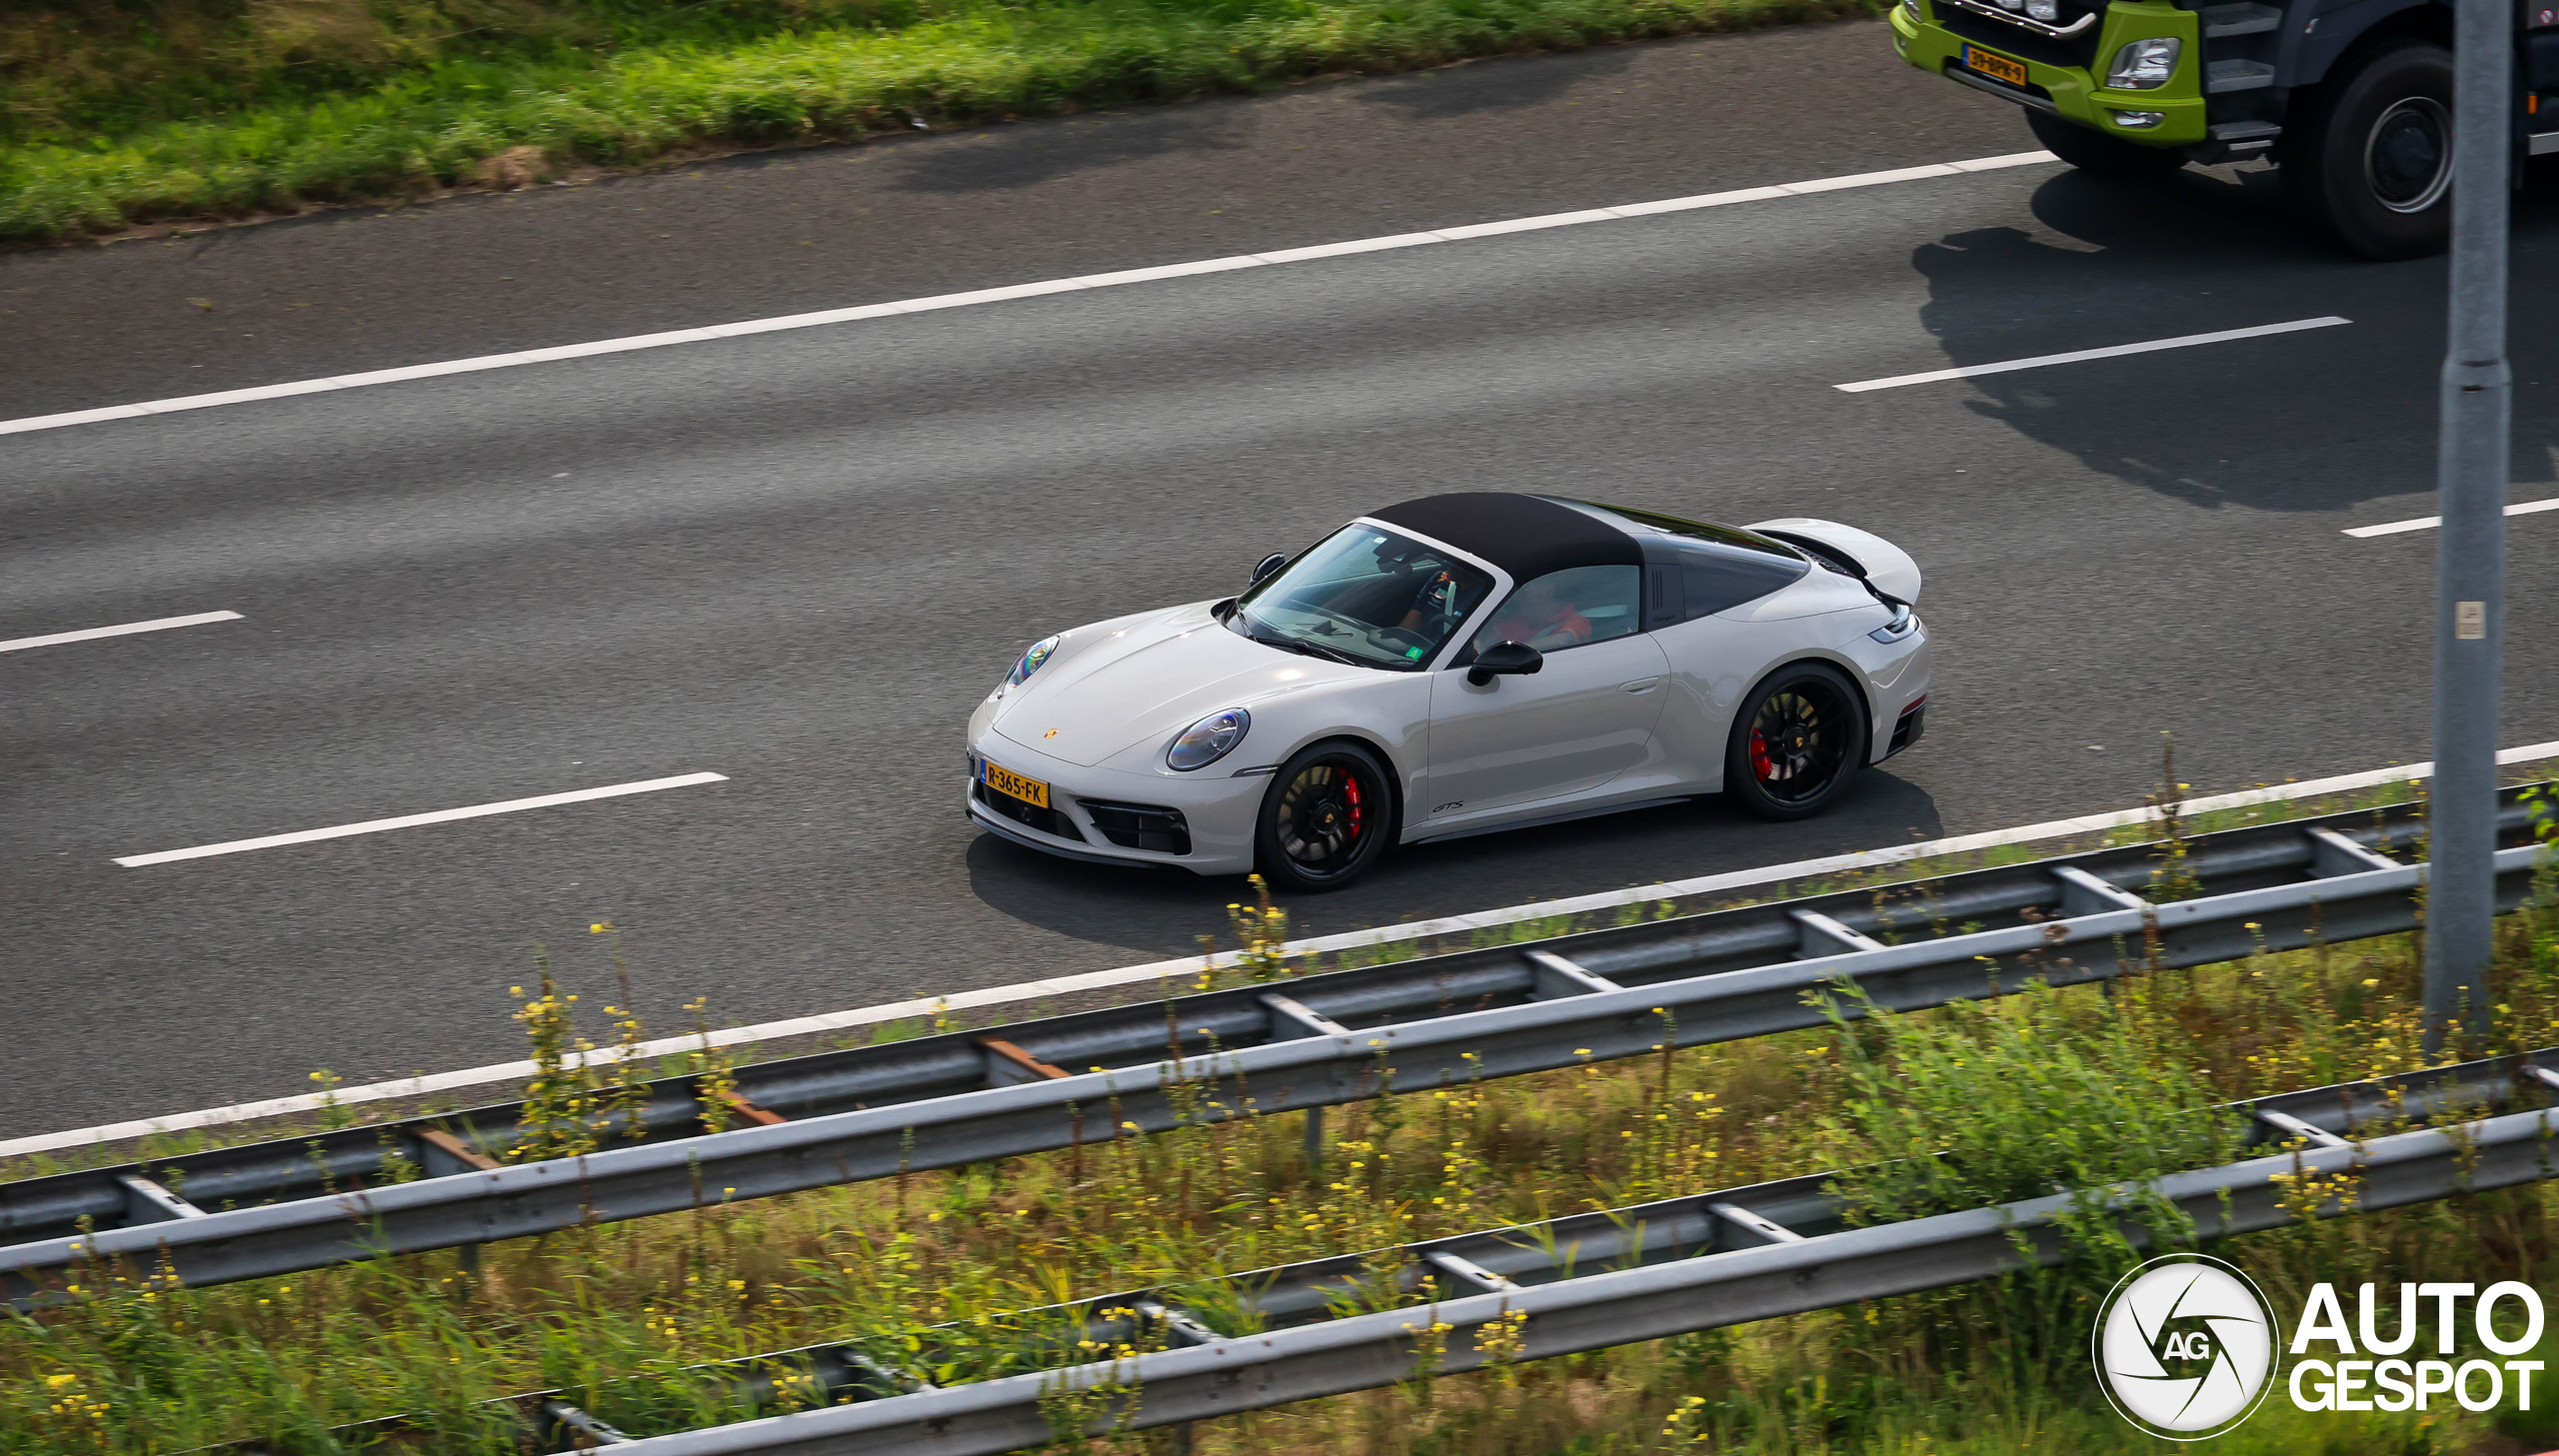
[1994, 65]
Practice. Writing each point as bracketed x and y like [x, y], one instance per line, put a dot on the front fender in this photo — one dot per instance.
[1389, 712]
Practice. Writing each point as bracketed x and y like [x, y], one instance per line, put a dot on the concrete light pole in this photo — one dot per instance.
[2461, 898]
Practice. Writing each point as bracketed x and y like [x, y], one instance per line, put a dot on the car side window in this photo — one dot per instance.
[1567, 609]
[1720, 579]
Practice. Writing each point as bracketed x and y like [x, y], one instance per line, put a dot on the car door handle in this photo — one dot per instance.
[1642, 685]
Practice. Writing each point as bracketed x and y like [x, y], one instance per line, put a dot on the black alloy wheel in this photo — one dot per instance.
[1328, 816]
[1800, 737]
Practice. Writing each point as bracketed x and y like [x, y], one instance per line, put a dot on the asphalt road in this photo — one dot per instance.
[798, 559]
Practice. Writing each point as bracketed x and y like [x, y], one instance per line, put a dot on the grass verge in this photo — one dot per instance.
[115, 125]
[2071, 1087]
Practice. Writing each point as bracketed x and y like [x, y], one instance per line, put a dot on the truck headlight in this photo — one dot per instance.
[2043, 10]
[2145, 65]
[1910, 8]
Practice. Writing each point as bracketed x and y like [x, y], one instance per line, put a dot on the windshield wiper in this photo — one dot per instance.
[1291, 644]
[1318, 650]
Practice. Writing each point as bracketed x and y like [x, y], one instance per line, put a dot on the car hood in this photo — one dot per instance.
[1149, 679]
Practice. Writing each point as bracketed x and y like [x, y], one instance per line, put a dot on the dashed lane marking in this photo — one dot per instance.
[2393, 527]
[407, 821]
[91, 633]
[2111, 350]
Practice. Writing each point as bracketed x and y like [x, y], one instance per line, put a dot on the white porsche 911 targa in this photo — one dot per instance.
[1454, 664]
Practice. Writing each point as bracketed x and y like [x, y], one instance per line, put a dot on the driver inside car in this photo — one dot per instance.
[1436, 599]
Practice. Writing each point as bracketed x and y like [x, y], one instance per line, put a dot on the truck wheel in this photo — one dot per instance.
[2374, 167]
[2097, 154]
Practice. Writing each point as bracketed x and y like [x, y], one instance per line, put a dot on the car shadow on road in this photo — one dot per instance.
[1164, 912]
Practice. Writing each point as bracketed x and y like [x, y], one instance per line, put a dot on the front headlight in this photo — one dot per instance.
[1910, 8]
[2145, 65]
[1031, 658]
[1208, 740]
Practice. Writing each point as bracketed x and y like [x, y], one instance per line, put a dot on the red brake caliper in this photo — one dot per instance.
[1759, 764]
[1350, 788]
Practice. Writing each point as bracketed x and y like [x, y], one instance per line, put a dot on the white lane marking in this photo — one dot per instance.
[2183, 341]
[2387, 527]
[405, 821]
[1165, 971]
[87, 633]
[1019, 290]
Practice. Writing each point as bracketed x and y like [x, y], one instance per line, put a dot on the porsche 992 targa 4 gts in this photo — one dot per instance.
[1456, 665]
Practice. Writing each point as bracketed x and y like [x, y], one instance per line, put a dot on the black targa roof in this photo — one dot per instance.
[1523, 534]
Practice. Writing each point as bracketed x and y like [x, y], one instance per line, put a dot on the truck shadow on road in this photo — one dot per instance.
[993, 159]
[1495, 83]
[2312, 422]
[1162, 912]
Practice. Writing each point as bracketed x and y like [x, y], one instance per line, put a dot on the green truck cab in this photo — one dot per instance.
[2351, 99]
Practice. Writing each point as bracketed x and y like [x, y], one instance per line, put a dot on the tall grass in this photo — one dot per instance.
[76, 161]
[2037, 1091]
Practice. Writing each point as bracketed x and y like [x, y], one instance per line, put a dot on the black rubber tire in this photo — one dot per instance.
[2340, 160]
[1810, 681]
[1311, 816]
[2099, 154]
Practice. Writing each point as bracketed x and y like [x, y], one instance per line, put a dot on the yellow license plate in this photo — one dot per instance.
[1994, 65]
[1004, 781]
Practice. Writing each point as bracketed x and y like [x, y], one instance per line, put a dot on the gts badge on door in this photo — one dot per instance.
[1454, 803]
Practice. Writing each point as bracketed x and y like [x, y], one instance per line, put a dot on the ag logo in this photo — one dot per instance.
[2184, 1346]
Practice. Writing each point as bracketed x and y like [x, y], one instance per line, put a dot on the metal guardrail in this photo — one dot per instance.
[1295, 1045]
[898, 1411]
[1622, 1307]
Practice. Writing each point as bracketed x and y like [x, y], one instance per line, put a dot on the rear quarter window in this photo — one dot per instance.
[1719, 577]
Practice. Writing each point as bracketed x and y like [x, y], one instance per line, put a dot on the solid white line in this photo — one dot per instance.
[2075, 356]
[408, 822]
[87, 633]
[1166, 970]
[1015, 291]
[2387, 527]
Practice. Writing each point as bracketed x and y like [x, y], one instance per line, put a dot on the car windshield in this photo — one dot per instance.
[1366, 596]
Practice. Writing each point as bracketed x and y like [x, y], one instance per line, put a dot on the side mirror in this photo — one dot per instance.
[1505, 658]
[1268, 565]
